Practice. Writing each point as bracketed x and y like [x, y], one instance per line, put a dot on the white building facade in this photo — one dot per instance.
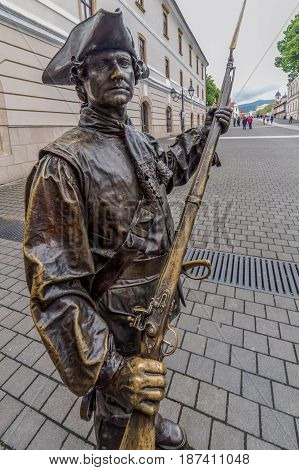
[33, 114]
[293, 99]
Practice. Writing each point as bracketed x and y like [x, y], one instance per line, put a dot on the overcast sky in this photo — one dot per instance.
[212, 23]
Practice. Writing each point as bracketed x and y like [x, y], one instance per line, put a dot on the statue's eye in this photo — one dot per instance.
[124, 63]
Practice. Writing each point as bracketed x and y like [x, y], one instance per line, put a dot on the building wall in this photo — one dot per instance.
[33, 114]
[293, 99]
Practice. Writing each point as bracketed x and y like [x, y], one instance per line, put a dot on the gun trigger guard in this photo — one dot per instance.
[197, 263]
[169, 344]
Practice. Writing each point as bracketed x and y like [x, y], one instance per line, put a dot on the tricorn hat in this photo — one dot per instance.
[104, 30]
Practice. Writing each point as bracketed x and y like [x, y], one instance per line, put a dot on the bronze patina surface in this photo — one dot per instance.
[98, 229]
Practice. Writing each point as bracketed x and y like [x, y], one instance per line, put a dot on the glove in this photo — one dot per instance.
[140, 384]
[223, 116]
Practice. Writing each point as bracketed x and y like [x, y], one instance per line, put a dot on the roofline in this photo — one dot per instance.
[188, 29]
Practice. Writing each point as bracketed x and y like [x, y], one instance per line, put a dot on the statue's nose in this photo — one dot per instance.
[117, 73]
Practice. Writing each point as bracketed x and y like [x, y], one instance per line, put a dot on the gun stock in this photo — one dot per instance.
[154, 321]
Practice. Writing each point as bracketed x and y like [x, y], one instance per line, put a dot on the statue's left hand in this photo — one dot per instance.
[223, 116]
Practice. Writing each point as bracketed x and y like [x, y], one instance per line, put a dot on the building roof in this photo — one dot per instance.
[176, 7]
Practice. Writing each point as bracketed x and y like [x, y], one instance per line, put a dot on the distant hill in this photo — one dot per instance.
[247, 107]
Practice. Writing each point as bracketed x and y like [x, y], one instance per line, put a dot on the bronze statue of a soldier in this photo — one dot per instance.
[98, 229]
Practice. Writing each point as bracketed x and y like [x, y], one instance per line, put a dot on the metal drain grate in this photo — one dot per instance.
[249, 272]
[11, 229]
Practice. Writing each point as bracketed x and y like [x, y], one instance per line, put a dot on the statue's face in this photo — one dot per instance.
[110, 78]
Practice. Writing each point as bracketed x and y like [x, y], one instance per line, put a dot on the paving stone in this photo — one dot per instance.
[34, 334]
[254, 309]
[210, 329]
[75, 424]
[217, 350]
[196, 296]
[267, 327]
[74, 443]
[178, 361]
[202, 311]
[5, 337]
[222, 316]
[255, 342]
[23, 429]
[257, 444]
[244, 294]
[282, 349]
[49, 437]
[236, 305]
[286, 399]
[243, 359]
[10, 408]
[201, 368]
[293, 374]
[16, 345]
[170, 409]
[194, 343]
[32, 353]
[226, 291]
[59, 404]
[4, 312]
[45, 365]
[289, 333]
[24, 326]
[257, 389]
[244, 321]
[294, 318]
[7, 283]
[19, 381]
[9, 299]
[188, 308]
[232, 335]
[197, 427]
[226, 437]
[243, 414]
[277, 314]
[188, 322]
[7, 368]
[262, 298]
[227, 377]
[284, 302]
[12, 319]
[179, 385]
[271, 368]
[215, 300]
[209, 287]
[39, 391]
[278, 428]
[212, 401]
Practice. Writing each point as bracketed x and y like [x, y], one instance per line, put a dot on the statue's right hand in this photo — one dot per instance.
[140, 384]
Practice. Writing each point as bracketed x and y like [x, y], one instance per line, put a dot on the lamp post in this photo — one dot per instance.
[181, 96]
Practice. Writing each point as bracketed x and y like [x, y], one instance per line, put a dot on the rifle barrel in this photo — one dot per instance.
[237, 31]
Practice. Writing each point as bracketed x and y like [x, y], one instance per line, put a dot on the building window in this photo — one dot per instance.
[197, 65]
[87, 8]
[142, 47]
[191, 82]
[190, 55]
[181, 78]
[197, 90]
[198, 120]
[202, 72]
[140, 4]
[165, 21]
[145, 117]
[167, 68]
[169, 119]
[192, 120]
[180, 36]
[202, 94]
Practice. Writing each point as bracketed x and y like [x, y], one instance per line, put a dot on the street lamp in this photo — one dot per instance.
[181, 96]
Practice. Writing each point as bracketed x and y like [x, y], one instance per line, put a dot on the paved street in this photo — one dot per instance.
[234, 381]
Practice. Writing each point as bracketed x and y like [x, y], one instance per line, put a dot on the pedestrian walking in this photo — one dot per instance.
[268, 119]
[244, 122]
[291, 120]
[239, 121]
[264, 120]
[272, 119]
[235, 121]
[250, 121]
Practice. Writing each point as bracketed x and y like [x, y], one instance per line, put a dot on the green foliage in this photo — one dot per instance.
[212, 92]
[289, 50]
[266, 109]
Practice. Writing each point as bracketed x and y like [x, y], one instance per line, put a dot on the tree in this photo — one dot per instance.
[266, 110]
[212, 92]
[289, 50]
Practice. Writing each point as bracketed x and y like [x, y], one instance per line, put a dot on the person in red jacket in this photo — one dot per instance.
[250, 121]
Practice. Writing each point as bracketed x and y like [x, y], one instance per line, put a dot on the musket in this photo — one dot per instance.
[153, 321]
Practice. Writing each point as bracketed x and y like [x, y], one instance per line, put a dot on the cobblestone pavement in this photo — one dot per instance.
[234, 381]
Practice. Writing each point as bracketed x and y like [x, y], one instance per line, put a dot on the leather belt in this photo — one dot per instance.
[144, 268]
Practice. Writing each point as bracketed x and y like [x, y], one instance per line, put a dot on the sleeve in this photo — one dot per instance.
[59, 270]
[183, 157]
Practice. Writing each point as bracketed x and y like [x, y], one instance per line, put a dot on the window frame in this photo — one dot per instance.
[165, 13]
[84, 6]
[181, 78]
[180, 38]
[142, 39]
[140, 5]
[197, 65]
[190, 55]
[167, 68]
[202, 71]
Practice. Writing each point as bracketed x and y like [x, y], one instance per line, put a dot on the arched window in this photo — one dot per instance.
[145, 117]
[169, 119]
[198, 120]
[192, 120]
